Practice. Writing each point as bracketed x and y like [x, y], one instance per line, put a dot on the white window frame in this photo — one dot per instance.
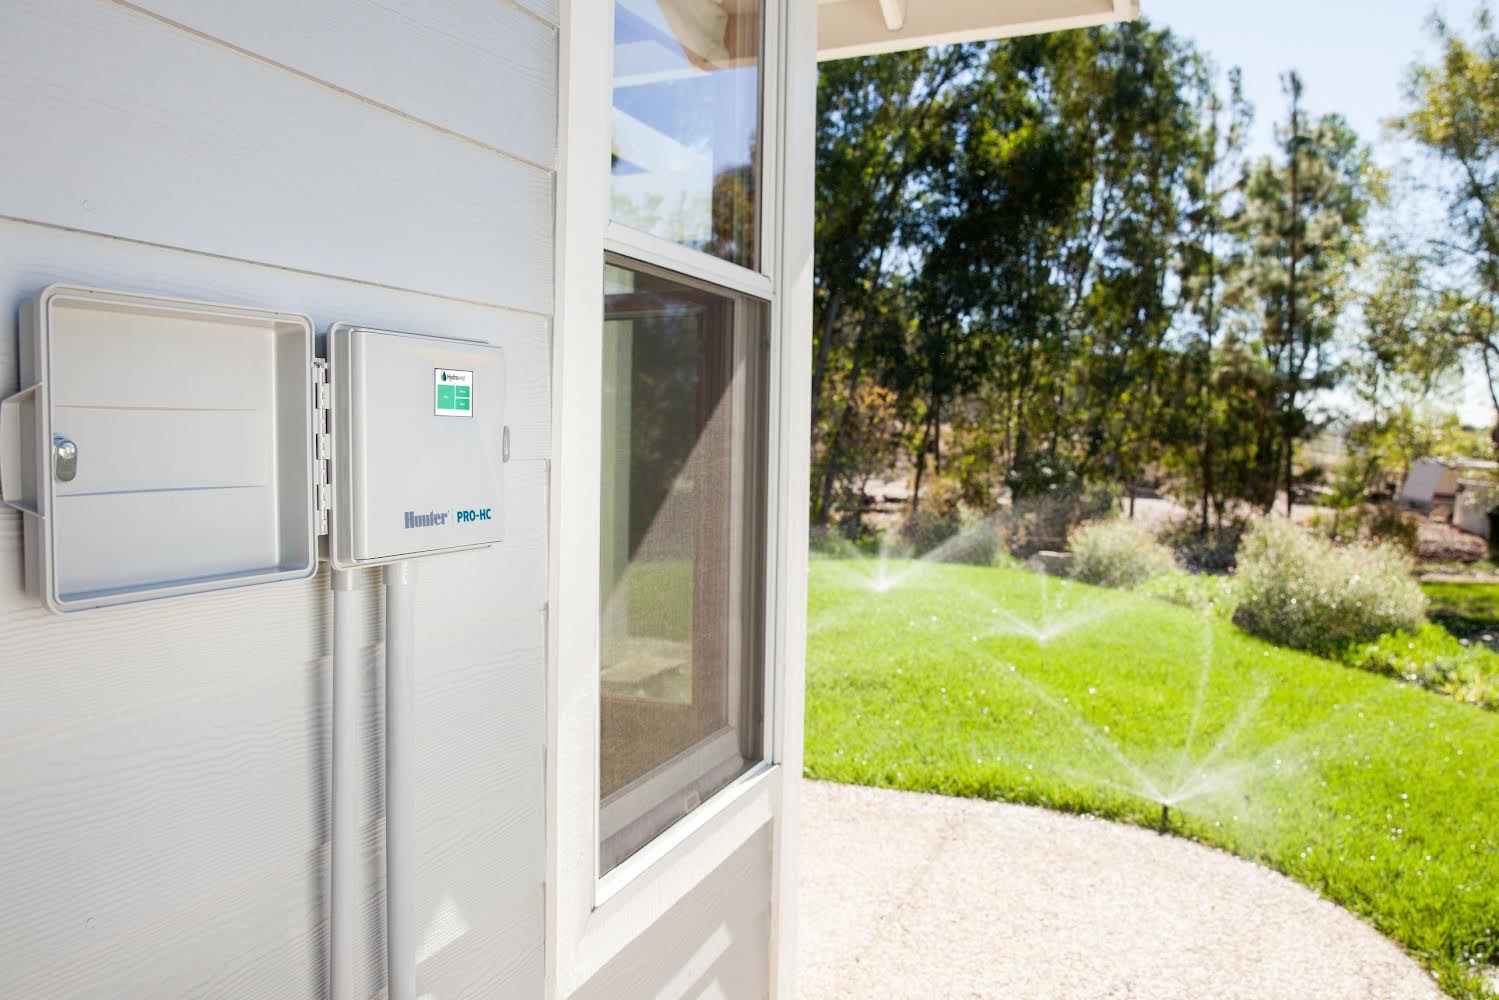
[591, 919]
[716, 752]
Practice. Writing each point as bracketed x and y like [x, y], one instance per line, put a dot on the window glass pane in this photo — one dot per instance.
[681, 557]
[685, 161]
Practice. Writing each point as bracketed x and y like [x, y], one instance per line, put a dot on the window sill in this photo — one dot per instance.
[645, 886]
[710, 825]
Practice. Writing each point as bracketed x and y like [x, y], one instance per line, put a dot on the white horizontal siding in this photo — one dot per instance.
[480, 827]
[138, 827]
[131, 127]
[713, 944]
[32, 257]
[174, 833]
[547, 10]
[481, 692]
[164, 767]
[481, 68]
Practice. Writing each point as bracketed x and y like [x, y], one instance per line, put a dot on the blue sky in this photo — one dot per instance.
[1352, 56]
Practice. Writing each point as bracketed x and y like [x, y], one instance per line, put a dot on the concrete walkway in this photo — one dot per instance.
[922, 896]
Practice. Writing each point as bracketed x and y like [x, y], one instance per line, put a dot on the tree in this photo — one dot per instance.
[1302, 219]
[1047, 260]
[1453, 111]
[877, 118]
[985, 297]
[1209, 266]
[1149, 87]
[1033, 249]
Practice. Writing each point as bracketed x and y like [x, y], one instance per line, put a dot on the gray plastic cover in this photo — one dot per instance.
[160, 447]
[418, 444]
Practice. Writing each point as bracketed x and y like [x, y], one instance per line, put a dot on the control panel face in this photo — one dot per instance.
[419, 425]
[453, 393]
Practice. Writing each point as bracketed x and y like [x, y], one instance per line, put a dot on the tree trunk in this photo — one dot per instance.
[1293, 367]
[834, 462]
[1207, 479]
[1289, 454]
[936, 437]
[1206, 399]
[921, 450]
[829, 323]
[1488, 378]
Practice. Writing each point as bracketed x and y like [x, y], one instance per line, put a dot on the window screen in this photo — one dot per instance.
[681, 634]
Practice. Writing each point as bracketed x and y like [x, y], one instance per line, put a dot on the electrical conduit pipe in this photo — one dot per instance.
[345, 890]
[400, 780]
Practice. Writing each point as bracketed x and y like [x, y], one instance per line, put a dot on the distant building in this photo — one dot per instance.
[1471, 506]
[1466, 487]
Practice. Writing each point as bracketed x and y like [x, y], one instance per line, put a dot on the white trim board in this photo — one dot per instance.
[592, 920]
[847, 28]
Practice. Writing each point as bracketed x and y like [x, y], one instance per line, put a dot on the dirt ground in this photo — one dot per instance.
[1439, 543]
[1442, 543]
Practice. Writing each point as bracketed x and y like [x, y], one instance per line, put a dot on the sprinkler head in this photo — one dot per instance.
[1165, 817]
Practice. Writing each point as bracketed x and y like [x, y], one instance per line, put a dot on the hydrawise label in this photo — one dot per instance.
[454, 392]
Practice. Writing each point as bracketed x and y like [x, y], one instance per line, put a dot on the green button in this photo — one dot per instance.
[462, 404]
[461, 390]
[445, 397]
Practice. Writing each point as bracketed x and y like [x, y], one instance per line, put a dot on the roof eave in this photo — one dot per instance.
[848, 28]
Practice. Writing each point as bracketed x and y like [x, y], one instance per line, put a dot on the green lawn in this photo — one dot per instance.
[1002, 684]
[1467, 610]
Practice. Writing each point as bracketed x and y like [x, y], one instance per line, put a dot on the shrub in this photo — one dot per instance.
[1298, 589]
[1433, 658]
[1048, 498]
[1208, 592]
[828, 542]
[1117, 553]
[1213, 552]
[926, 530]
[1388, 523]
[952, 538]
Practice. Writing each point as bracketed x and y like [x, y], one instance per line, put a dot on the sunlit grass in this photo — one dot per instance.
[1467, 610]
[1001, 684]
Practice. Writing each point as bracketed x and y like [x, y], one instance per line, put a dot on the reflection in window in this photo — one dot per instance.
[682, 535]
[685, 158]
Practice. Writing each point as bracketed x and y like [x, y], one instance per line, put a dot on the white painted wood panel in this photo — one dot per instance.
[713, 943]
[547, 10]
[852, 28]
[201, 696]
[142, 834]
[481, 68]
[176, 839]
[260, 940]
[480, 695]
[791, 403]
[32, 257]
[132, 127]
[164, 767]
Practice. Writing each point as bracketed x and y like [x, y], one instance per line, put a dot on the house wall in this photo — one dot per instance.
[1470, 508]
[715, 943]
[1426, 480]
[164, 767]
